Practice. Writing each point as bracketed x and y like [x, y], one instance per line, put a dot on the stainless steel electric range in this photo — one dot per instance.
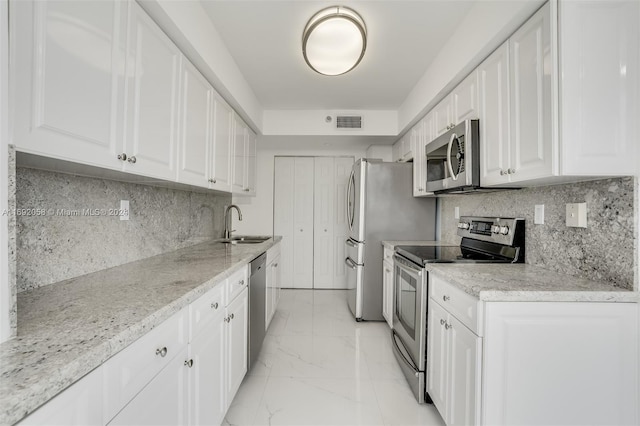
[484, 240]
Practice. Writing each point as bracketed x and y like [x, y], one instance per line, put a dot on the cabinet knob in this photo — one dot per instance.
[122, 156]
[511, 171]
[214, 305]
[445, 298]
[232, 316]
[502, 172]
[189, 363]
[442, 322]
[162, 351]
[275, 265]
[227, 319]
[214, 180]
[448, 326]
[325, 230]
[246, 190]
[132, 159]
[241, 282]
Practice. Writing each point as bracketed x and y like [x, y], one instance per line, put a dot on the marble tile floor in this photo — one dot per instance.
[319, 367]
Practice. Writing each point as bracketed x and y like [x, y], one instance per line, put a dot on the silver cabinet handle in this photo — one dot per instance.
[448, 326]
[442, 322]
[214, 305]
[275, 265]
[232, 316]
[241, 282]
[446, 298]
[502, 173]
[162, 351]
[132, 159]
[227, 319]
[511, 171]
[122, 156]
[189, 363]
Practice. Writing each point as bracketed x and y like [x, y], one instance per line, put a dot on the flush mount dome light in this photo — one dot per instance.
[334, 40]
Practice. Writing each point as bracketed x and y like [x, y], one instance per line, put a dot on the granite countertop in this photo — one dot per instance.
[526, 283]
[67, 329]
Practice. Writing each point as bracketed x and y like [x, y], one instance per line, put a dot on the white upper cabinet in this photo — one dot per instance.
[195, 127]
[239, 144]
[220, 177]
[250, 163]
[599, 75]
[443, 116]
[465, 99]
[532, 141]
[422, 133]
[403, 149]
[68, 70]
[493, 75]
[153, 78]
[572, 95]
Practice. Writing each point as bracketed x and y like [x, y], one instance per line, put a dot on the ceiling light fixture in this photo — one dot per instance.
[334, 40]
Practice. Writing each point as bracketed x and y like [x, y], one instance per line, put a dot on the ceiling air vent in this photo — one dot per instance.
[349, 122]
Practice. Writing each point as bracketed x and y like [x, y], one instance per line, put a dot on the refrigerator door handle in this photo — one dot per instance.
[350, 263]
[350, 208]
[350, 243]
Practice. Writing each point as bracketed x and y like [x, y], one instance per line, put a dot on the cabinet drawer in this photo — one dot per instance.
[206, 309]
[388, 255]
[129, 371]
[461, 305]
[236, 283]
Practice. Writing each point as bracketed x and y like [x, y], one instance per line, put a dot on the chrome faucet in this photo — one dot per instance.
[227, 220]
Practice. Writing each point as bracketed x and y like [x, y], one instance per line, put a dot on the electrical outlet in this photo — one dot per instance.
[538, 217]
[456, 212]
[577, 215]
[124, 210]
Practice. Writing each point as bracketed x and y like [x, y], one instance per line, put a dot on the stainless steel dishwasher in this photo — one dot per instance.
[257, 307]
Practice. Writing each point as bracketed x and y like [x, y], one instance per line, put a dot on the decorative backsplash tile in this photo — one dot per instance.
[71, 228]
[604, 251]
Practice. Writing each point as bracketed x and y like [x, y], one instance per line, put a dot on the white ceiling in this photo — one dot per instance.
[264, 38]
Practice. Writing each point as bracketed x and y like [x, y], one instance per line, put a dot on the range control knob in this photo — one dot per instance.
[504, 230]
[495, 229]
[463, 225]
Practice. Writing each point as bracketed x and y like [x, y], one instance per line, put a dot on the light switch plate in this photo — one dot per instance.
[456, 212]
[538, 217]
[577, 215]
[124, 210]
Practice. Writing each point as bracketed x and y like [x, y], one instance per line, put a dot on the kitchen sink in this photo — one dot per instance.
[245, 239]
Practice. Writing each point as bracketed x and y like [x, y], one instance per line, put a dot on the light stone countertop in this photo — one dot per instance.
[520, 282]
[526, 283]
[67, 329]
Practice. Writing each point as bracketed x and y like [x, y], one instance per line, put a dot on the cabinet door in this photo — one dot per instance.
[250, 164]
[67, 68]
[237, 334]
[275, 293]
[206, 377]
[222, 145]
[303, 223]
[438, 355]
[80, 404]
[534, 148]
[395, 151]
[443, 116]
[419, 157]
[465, 99]
[239, 145]
[163, 401]
[387, 292]
[323, 220]
[465, 357]
[493, 74]
[195, 134]
[153, 86]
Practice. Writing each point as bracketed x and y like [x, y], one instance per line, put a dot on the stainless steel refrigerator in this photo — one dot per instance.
[380, 206]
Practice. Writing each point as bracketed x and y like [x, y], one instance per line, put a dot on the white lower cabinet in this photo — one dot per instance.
[273, 283]
[236, 342]
[552, 363]
[163, 401]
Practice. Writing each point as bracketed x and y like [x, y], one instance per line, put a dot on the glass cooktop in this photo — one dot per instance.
[422, 255]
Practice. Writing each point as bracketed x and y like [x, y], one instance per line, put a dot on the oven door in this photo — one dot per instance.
[410, 308]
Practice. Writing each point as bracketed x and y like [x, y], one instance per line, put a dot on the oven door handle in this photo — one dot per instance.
[410, 364]
[402, 265]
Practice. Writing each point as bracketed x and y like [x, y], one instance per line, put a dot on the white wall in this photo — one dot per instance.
[5, 293]
[483, 29]
[189, 26]
[257, 212]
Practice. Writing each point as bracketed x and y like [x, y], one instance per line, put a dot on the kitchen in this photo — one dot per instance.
[291, 124]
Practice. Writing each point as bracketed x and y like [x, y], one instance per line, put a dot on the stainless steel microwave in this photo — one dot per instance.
[453, 159]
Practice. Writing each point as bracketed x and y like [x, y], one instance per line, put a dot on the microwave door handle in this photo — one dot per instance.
[453, 175]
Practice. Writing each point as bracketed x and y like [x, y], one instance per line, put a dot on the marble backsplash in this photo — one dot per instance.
[57, 246]
[604, 251]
